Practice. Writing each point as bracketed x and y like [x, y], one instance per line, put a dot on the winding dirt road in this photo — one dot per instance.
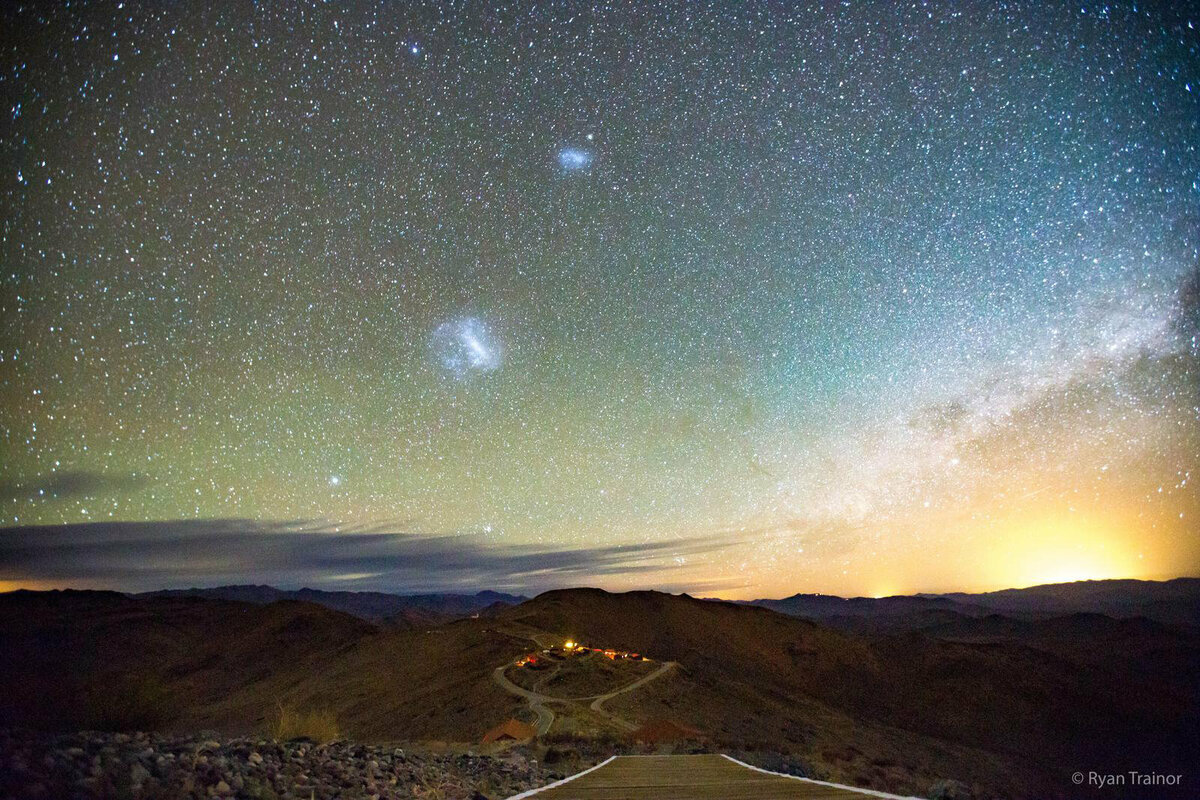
[598, 703]
[545, 717]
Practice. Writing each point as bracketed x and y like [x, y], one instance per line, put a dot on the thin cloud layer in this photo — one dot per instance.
[138, 556]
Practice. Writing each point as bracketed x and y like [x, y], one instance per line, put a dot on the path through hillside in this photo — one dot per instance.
[598, 703]
[545, 716]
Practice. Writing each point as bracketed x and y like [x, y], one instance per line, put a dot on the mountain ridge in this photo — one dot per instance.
[1175, 602]
[401, 610]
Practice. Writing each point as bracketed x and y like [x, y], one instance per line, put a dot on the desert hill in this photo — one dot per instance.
[879, 710]
[95, 659]
[1002, 704]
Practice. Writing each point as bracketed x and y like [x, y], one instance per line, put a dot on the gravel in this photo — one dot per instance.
[147, 766]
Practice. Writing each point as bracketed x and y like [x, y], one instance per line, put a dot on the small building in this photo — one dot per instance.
[511, 730]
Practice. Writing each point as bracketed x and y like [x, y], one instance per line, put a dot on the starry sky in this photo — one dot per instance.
[737, 299]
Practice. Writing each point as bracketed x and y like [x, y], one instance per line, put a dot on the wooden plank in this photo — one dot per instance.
[698, 777]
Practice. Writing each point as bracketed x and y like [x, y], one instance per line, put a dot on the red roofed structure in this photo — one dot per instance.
[510, 730]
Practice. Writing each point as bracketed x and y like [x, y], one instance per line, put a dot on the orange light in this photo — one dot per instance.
[1060, 549]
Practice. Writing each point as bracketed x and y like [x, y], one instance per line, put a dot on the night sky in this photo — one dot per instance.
[739, 300]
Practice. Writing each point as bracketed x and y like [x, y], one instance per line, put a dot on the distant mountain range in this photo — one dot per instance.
[398, 610]
[1173, 602]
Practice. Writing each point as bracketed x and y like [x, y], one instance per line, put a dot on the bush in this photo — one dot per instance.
[318, 725]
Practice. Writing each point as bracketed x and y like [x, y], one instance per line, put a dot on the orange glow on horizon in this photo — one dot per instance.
[1061, 548]
[35, 586]
[995, 544]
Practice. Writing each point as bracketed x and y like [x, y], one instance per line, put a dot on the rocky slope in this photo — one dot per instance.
[152, 767]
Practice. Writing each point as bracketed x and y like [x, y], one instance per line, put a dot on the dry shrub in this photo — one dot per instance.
[555, 755]
[319, 725]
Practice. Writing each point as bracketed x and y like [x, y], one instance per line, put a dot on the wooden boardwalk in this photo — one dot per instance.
[700, 777]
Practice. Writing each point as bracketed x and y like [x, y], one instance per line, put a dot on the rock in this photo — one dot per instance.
[947, 789]
[138, 775]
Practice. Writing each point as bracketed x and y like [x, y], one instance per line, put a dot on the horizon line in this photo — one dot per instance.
[7, 588]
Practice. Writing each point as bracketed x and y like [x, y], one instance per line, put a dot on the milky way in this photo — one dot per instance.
[826, 290]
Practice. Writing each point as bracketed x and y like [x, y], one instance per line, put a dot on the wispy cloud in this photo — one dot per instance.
[149, 555]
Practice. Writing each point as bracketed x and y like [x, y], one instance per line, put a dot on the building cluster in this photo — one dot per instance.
[572, 648]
